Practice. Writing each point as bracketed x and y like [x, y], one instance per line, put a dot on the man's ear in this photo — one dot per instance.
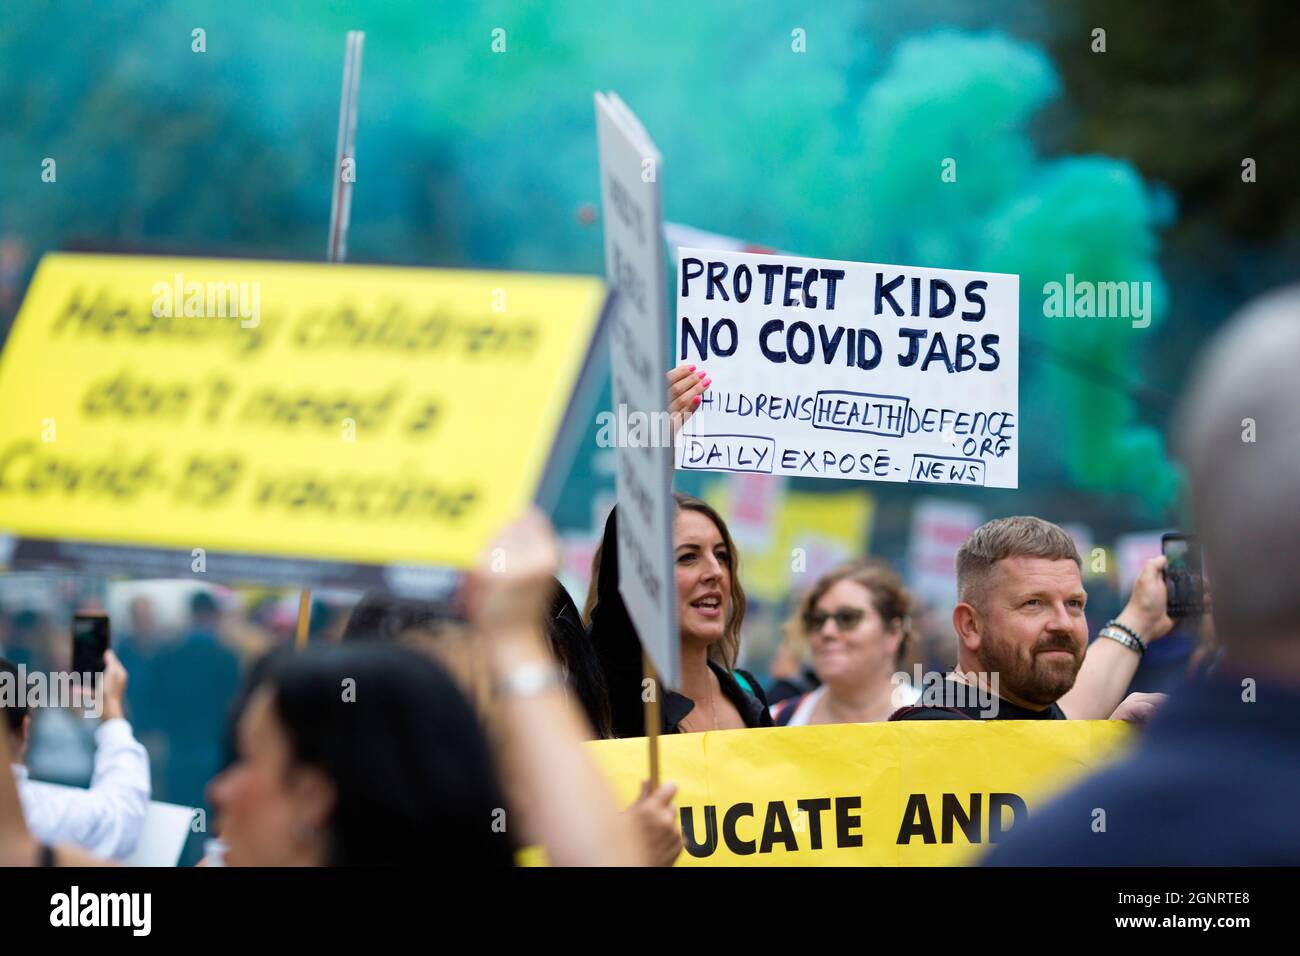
[969, 626]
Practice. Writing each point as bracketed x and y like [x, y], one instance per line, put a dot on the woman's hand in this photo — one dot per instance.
[686, 384]
[511, 588]
[656, 822]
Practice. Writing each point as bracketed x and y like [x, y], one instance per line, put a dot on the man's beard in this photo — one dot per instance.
[1030, 675]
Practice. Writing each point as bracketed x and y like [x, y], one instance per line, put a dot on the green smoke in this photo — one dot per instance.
[963, 102]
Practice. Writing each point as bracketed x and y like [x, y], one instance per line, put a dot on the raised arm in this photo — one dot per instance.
[564, 800]
[17, 846]
[1109, 666]
[108, 818]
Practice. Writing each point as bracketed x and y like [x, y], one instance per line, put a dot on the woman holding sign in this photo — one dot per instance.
[710, 608]
[714, 695]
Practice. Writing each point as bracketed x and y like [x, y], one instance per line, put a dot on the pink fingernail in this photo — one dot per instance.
[708, 382]
[691, 367]
[697, 400]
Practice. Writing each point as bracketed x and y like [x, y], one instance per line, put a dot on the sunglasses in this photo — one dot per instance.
[846, 619]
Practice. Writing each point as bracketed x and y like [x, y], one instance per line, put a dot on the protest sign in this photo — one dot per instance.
[939, 528]
[922, 793]
[850, 370]
[634, 267]
[807, 535]
[275, 421]
[755, 509]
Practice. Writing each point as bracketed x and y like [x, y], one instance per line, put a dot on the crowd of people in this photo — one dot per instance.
[457, 728]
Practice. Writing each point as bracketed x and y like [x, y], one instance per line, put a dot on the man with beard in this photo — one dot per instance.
[1023, 634]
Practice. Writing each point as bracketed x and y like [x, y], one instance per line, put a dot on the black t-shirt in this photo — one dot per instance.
[1004, 710]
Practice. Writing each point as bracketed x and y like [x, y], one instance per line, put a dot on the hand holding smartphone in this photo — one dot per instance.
[1184, 580]
[90, 639]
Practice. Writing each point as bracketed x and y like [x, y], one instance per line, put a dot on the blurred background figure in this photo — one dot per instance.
[138, 646]
[857, 622]
[107, 818]
[790, 673]
[193, 683]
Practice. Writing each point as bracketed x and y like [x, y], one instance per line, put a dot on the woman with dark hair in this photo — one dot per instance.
[714, 695]
[561, 800]
[578, 660]
[385, 616]
[359, 755]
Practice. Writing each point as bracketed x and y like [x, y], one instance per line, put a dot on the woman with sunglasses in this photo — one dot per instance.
[855, 621]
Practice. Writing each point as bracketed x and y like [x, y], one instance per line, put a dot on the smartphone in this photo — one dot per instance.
[1183, 575]
[89, 641]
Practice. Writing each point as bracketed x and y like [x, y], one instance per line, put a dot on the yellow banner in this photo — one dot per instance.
[919, 793]
[330, 412]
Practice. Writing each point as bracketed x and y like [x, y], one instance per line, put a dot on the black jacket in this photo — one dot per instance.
[1214, 781]
[619, 652]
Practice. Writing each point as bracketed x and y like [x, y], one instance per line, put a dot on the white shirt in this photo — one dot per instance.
[107, 819]
[803, 712]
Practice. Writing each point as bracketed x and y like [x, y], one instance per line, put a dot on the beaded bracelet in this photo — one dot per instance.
[1124, 635]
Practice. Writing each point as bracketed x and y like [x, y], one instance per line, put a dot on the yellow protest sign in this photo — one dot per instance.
[369, 416]
[811, 532]
[911, 793]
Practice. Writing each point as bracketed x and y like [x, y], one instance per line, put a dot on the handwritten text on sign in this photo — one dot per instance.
[850, 370]
[362, 414]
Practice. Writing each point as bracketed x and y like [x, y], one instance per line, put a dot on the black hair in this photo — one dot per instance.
[414, 777]
[14, 714]
[383, 616]
[203, 604]
[577, 655]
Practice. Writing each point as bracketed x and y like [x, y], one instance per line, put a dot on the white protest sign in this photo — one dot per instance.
[634, 267]
[827, 369]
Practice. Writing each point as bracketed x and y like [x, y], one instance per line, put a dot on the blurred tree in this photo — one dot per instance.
[1187, 91]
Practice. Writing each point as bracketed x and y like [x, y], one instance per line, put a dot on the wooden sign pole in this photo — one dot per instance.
[304, 619]
[651, 716]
